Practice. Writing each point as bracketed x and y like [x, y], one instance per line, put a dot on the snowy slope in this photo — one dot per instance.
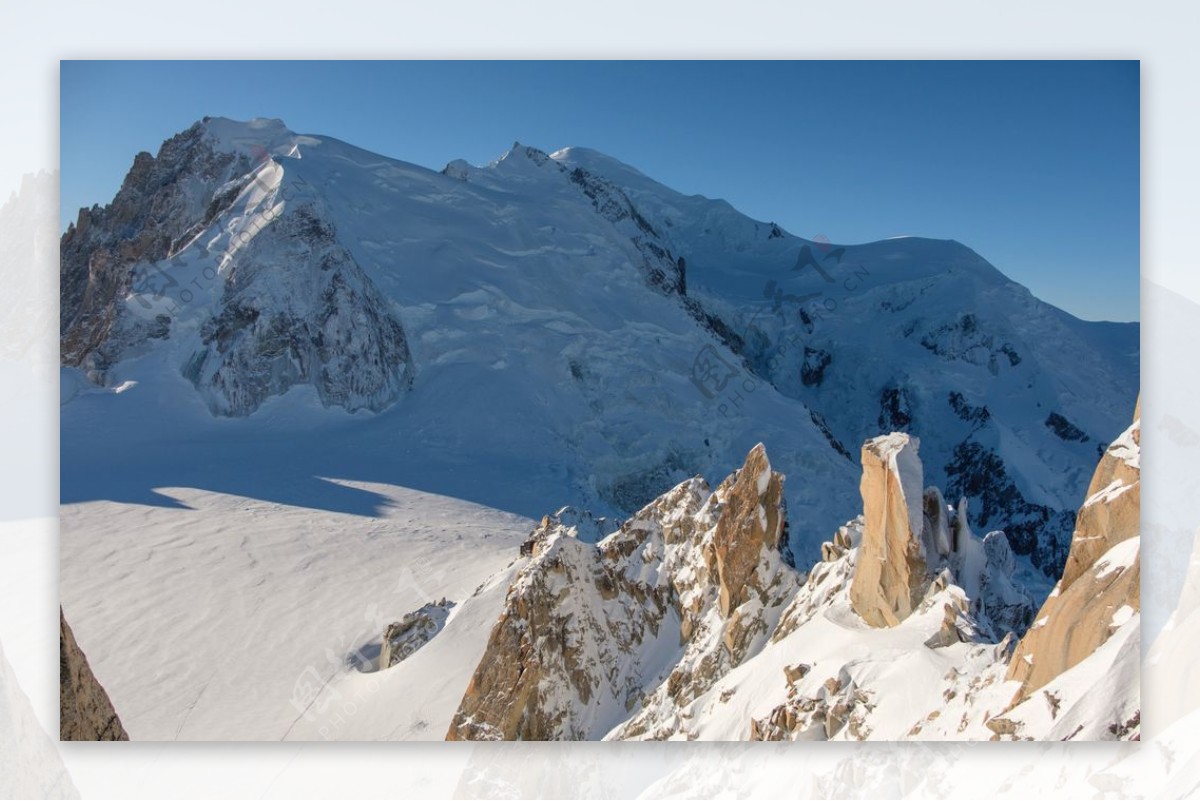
[182, 609]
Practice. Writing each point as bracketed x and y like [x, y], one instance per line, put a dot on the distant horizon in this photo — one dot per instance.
[1050, 150]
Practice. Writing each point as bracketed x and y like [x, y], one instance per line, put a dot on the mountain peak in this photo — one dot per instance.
[257, 137]
[522, 152]
[597, 162]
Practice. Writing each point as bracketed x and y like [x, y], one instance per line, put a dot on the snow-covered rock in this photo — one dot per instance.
[412, 632]
[911, 535]
[627, 631]
[210, 245]
[297, 309]
[1099, 593]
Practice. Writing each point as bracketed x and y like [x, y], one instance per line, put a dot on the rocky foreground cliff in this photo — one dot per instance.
[692, 622]
[85, 711]
[647, 620]
[1096, 604]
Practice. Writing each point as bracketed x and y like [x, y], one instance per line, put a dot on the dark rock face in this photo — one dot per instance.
[1065, 429]
[85, 712]
[162, 201]
[895, 409]
[965, 340]
[812, 371]
[294, 307]
[976, 415]
[1033, 529]
[663, 271]
[835, 443]
[324, 323]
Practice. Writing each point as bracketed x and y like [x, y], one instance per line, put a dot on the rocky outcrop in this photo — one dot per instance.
[1100, 588]
[910, 537]
[162, 200]
[630, 630]
[412, 632]
[85, 711]
[296, 309]
[892, 573]
[838, 705]
[1038, 531]
[214, 246]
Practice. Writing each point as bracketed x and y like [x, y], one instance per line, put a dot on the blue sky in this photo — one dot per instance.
[1035, 165]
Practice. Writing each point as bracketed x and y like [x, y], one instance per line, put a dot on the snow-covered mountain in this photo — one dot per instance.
[621, 336]
[341, 387]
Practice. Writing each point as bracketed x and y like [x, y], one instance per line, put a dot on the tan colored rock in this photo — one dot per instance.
[85, 711]
[794, 673]
[891, 577]
[751, 524]
[1003, 727]
[1112, 510]
[412, 632]
[1101, 584]
[579, 645]
[948, 633]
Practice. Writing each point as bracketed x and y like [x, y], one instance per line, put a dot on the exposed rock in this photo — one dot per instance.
[161, 201]
[830, 552]
[412, 632]
[1002, 727]
[910, 537]
[282, 302]
[892, 573]
[895, 409]
[325, 324]
[662, 270]
[948, 634]
[976, 415]
[794, 673]
[812, 369]
[839, 706]
[1064, 429]
[1033, 529]
[581, 643]
[1100, 587]
[85, 711]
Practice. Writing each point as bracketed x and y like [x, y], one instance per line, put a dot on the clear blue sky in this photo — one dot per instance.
[1035, 165]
